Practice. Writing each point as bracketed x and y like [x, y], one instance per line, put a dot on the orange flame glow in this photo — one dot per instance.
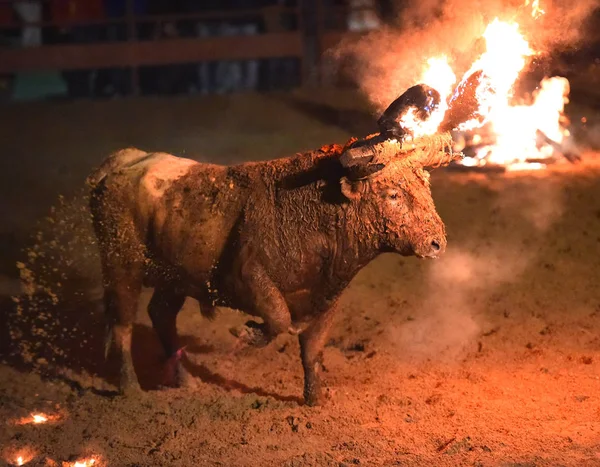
[516, 128]
[503, 60]
[20, 457]
[39, 418]
[536, 11]
[439, 76]
[84, 463]
[35, 418]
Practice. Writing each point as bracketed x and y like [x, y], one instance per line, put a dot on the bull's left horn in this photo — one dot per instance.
[422, 98]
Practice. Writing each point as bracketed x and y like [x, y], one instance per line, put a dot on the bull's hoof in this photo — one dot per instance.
[312, 400]
[176, 374]
[184, 379]
[251, 333]
[130, 389]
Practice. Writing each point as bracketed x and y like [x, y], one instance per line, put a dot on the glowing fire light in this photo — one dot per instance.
[516, 128]
[85, 463]
[35, 418]
[39, 418]
[504, 58]
[22, 458]
[536, 11]
[439, 76]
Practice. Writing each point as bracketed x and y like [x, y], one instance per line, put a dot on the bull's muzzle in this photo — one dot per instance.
[431, 248]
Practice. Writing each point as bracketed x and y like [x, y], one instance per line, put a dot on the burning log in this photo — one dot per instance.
[571, 155]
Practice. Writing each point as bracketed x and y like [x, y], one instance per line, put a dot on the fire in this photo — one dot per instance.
[84, 463]
[517, 133]
[20, 457]
[39, 418]
[35, 418]
[505, 56]
[536, 11]
[439, 76]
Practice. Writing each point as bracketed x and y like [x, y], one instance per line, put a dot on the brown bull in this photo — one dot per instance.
[279, 240]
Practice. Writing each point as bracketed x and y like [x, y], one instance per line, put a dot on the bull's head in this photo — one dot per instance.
[393, 181]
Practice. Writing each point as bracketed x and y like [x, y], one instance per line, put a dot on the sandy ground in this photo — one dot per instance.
[489, 356]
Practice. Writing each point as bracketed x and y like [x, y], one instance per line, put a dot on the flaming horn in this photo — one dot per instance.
[371, 154]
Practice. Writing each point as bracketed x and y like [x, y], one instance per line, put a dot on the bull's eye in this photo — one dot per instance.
[393, 195]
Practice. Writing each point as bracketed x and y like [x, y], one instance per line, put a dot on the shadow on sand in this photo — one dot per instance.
[65, 342]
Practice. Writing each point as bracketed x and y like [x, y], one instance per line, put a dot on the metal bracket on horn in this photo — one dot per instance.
[358, 157]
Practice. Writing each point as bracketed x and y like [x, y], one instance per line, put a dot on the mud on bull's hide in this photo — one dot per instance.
[279, 240]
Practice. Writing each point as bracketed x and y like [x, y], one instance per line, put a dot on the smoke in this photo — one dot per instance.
[464, 283]
[388, 61]
[459, 287]
[541, 204]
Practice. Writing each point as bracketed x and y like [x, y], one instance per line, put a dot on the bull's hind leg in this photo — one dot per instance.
[121, 255]
[121, 295]
[163, 308]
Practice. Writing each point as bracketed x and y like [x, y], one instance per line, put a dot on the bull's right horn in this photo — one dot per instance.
[430, 151]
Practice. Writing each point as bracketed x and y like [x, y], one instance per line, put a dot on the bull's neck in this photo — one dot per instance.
[358, 239]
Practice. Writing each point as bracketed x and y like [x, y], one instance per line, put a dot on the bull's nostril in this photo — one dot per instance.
[435, 245]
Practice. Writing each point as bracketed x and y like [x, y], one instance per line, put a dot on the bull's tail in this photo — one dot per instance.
[117, 160]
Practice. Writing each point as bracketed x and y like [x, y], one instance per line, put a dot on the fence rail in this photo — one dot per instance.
[133, 51]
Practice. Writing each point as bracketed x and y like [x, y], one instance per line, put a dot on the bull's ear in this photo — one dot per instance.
[351, 190]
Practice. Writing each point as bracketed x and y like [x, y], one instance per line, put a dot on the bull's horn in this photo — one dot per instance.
[431, 151]
[424, 99]
[358, 159]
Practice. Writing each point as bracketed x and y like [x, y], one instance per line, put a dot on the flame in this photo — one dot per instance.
[536, 11]
[21, 457]
[439, 76]
[39, 418]
[514, 129]
[84, 463]
[35, 418]
[505, 56]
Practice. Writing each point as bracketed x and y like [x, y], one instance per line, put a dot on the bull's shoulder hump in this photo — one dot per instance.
[162, 170]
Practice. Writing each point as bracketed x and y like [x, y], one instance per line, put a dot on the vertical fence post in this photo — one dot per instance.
[132, 37]
[320, 26]
[308, 11]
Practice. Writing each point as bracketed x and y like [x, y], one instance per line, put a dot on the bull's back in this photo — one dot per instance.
[183, 210]
[194, 214]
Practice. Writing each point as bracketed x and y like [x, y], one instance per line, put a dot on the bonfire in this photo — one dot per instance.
[500, 134]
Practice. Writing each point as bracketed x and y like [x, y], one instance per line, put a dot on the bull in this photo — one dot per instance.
[279, 240]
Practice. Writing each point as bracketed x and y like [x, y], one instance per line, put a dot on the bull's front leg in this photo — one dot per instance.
[268, 303]
[312, 341]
